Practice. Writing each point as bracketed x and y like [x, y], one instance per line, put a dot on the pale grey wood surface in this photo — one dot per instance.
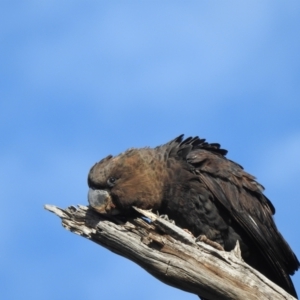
[172, 255]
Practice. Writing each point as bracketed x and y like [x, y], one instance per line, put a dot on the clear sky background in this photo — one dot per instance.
[83, 79]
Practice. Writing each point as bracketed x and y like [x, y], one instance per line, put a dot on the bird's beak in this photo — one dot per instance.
[101, 201]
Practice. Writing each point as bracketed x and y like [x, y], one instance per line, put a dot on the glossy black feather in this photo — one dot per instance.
[238, 199]
[194, 183]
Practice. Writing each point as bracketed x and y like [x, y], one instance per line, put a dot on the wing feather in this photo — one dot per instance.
[242, 197]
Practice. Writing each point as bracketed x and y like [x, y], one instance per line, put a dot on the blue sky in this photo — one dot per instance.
[83, 79]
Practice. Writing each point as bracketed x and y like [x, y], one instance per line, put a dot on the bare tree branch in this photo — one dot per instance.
[172, 255]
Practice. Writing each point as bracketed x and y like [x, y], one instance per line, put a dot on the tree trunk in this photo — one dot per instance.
[172, 255]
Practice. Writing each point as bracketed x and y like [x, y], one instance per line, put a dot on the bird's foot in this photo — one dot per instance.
[186, 230]
[203, 238]
[165, 217]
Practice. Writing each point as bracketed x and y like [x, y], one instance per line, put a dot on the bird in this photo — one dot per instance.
[196, 185]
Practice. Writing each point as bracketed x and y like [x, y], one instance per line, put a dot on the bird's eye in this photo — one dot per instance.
[111, 181]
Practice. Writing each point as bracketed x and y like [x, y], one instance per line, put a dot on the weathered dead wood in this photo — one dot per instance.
[172, 255]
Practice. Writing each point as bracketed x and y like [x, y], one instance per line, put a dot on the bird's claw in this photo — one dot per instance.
[203, 238]
[165, 217]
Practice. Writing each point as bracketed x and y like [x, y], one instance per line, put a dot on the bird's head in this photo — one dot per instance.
[133, 178]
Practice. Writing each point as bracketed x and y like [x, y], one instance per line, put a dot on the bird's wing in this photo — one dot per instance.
[242, 197]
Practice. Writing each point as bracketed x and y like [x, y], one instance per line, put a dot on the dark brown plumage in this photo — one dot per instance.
[197, 186]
